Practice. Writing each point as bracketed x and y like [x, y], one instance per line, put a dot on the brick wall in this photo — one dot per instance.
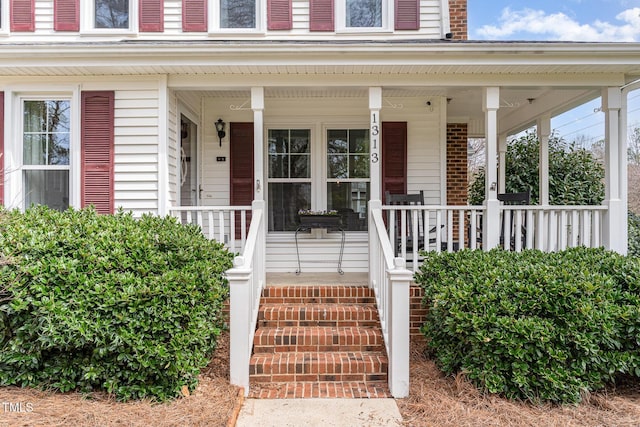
[417, 314]
[458, 19]
[457, 164]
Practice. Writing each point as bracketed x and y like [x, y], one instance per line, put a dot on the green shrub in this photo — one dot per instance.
[634, 234]
[107, 302]
[534, 325]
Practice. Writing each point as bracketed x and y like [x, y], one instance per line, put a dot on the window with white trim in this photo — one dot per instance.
[289, 179]
[4, 16]
[46, 150]
[364, 15]
[109, 16]
[238, 15]
[348, 176]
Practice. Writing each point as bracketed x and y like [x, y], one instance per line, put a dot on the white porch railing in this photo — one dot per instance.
[226, 224]
[551, 228]
[442, 225]
[246, 280]
[450, 228]
[390, 280]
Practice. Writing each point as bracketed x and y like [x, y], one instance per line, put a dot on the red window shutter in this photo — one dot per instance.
[194, 15]
[66, 15]
[394, 157]
[241, 165]
[151, 15]
[321, 15]
[23, 15]
[97, 150]
[407, 14]
[2, 148]
[279, 14]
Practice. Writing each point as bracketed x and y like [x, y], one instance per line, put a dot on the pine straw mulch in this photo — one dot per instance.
[437, 400]
[212, 403]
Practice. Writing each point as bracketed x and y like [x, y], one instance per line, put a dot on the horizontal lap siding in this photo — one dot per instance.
[173, 126]
[136, 150]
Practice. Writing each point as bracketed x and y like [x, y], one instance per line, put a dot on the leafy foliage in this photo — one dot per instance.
[107, 302]
[634, 234]
[575, 176]
[534, 325]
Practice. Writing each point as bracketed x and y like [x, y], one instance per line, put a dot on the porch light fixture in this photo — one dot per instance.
[220, 125]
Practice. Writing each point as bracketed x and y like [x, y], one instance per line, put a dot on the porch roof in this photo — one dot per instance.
[556, 75]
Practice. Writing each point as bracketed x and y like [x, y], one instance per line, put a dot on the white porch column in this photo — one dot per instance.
[257, 105]
[615, 221]
[375, 104]
[491, 234]
[544, 132]
[502, 163]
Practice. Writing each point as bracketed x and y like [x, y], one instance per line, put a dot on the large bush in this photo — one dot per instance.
[110, 302]
[534, 325]
[575, 176]
[634, 234]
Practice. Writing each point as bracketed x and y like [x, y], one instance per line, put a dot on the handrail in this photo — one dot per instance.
[246, 280]
[390, 280]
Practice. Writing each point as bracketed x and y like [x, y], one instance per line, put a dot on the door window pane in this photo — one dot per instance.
[364, 13]
[285, 200]
[238, 14]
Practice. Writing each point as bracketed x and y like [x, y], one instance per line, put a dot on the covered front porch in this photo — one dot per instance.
[321, 141]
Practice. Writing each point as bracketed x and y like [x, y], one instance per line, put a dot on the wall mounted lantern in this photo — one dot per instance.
[220, 125]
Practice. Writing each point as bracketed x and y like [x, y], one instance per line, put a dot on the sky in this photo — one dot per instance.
[567, 20]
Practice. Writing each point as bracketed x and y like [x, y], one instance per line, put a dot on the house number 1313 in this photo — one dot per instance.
[375, 131]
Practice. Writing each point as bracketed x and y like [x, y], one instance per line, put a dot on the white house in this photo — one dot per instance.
[326, 104]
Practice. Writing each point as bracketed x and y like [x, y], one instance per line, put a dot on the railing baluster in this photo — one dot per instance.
[461, 229]
[414, 237]
[518, 231]
[529, 229]
[472, 229]
[438, 227]
[211, 226]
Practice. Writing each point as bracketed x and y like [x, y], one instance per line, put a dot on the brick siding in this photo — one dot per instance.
[458, 19]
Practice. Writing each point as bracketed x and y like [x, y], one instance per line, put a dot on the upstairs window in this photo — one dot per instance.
[364, 15]
[111, 14]
[238, 14]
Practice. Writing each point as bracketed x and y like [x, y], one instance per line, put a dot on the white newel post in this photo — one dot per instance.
[375, 105]
[257, 105]
[615, 221]
[240, 321]
[491, 236]
[399, 346]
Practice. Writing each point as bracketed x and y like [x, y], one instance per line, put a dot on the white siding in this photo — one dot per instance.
[136, 149]
[430, 25]
[173, 127]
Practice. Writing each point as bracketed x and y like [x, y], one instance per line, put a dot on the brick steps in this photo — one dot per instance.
[296, 338]
[281, 315]
[318, 341]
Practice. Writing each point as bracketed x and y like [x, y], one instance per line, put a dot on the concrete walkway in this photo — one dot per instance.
[319, 412]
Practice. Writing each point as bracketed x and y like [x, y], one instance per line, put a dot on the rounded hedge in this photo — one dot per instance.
[534, 325]
[107, 302]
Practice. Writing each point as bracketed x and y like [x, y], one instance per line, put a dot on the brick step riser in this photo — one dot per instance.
[318, 300]
[300, 390]
[318, 312]
[282, 340]
[370, 367]
[338, 292]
